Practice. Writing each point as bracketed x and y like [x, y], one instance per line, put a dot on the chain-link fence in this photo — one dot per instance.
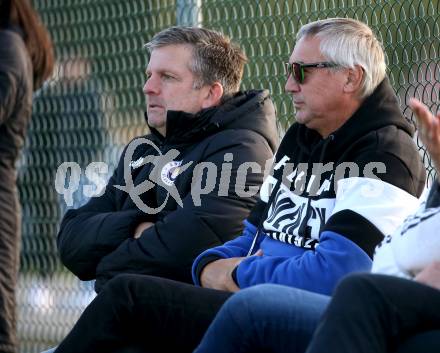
[94, 105]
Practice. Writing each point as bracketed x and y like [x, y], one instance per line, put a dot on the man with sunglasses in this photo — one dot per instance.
[346, 173]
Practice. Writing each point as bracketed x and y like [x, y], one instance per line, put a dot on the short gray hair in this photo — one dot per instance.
[348, 42]
[215, 57]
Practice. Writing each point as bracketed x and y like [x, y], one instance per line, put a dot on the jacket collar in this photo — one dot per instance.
[185, 127]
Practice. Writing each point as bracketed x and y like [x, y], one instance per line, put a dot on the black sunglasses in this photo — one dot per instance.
[297, 69]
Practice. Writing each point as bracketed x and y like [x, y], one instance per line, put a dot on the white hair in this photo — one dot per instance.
[347, 43]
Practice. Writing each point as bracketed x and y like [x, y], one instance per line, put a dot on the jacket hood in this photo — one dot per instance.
[251, 110]
[378, 110]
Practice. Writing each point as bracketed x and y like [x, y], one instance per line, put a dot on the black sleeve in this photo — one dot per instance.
[94, 230]
[356, 228]
[169, 247]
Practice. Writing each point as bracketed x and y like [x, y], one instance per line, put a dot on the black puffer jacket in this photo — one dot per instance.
[96, 240]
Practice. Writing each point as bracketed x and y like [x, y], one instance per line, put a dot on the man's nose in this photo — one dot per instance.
[291, 85]
[151, 86]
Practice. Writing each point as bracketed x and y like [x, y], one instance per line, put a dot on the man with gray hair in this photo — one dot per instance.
[173, 189]
[346, 174]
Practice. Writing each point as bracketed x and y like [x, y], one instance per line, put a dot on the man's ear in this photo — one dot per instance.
[354, 79]
[213, 96]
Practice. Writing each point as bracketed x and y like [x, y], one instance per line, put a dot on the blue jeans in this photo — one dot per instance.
[265, 318]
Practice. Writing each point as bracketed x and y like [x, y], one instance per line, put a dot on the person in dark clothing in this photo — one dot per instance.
[26, 60]
[315, 222]
[378, 313]
[188, 185]
[383, 314]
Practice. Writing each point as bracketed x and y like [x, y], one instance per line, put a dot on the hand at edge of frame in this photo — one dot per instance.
[218, 274]
[428, 129]
[140, 229]
[430, 275]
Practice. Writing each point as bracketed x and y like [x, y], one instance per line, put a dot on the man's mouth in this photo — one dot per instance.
[155, 106]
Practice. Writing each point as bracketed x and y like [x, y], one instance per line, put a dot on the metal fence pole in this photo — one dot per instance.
[189, 13]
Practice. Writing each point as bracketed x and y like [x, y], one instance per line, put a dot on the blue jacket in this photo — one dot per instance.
[287, 264]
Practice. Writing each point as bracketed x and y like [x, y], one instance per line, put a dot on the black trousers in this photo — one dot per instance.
[135, 313]
[376, 313]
